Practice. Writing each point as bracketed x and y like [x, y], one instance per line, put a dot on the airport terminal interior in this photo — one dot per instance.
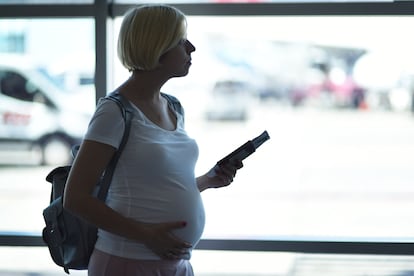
[330, 193]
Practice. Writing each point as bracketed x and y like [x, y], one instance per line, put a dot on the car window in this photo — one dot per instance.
[15, 85]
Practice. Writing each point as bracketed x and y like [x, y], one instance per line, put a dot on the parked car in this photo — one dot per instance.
[229, 100]
[37, 116]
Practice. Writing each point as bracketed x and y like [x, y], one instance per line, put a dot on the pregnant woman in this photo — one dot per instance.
[153, 215]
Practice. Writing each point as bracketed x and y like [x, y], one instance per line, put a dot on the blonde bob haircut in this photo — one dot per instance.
[147, 32]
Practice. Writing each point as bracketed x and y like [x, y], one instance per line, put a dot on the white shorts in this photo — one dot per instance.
[103, 264]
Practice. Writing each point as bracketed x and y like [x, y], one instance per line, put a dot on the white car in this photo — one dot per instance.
[37, 116]
[229, 100]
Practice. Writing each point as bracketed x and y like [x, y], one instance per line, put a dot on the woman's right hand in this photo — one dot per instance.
[161, 240]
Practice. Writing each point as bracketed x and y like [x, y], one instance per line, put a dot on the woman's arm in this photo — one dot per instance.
[90, 163]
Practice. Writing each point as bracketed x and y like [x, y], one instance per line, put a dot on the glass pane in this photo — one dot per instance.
[46, 2]
[241, 263]
[46, 99]
[37, 261]
[289, 264]
[337, 100]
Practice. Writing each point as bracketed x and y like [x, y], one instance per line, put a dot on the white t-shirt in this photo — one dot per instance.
[154, 179]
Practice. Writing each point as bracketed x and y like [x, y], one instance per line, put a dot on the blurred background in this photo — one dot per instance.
[335, 93]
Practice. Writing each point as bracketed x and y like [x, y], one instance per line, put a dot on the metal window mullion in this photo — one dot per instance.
[288, 9]
[310, 246]
[282, 245]
[101, 62]
[46, 10]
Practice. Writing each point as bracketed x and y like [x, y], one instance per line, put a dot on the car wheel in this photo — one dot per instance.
[56, 151]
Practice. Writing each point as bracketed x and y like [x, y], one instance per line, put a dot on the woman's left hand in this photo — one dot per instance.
[220, 175]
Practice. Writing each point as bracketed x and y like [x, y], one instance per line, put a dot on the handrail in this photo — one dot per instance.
[280, 245]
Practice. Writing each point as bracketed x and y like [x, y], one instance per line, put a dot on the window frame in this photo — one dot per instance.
[104, 11]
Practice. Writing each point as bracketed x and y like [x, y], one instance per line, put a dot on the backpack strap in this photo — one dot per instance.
[127, 113]
[174, 103]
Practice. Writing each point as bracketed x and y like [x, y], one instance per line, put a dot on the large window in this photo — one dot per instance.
[337, 105]
[335, 92]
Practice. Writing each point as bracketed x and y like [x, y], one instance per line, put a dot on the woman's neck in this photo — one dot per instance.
[143, 86]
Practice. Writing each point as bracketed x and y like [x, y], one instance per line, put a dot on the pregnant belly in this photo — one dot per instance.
[183, 206]
[191, 212]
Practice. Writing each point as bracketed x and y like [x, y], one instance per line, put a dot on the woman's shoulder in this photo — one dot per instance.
[106, 125]
[107, 106]
[174, 102]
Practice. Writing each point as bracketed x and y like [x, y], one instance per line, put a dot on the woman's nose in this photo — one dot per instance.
[190, 47]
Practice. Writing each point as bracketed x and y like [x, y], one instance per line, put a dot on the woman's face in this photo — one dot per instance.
[177, 61]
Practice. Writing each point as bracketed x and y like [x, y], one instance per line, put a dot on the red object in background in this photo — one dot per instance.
[14, 118]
